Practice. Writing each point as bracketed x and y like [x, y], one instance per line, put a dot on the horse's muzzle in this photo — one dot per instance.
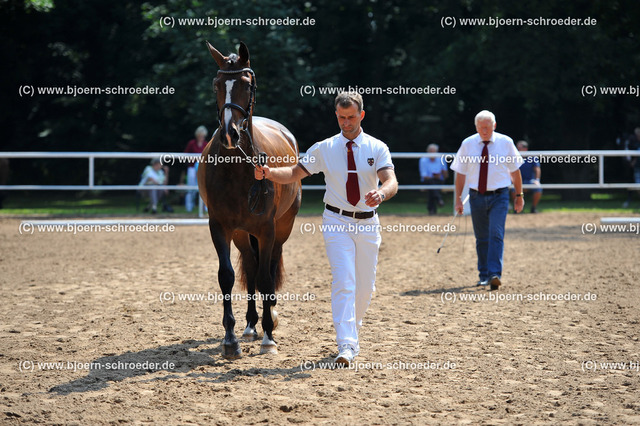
[230, 136]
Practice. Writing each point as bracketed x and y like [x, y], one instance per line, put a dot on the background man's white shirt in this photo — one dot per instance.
[504, 159]
[432, 166]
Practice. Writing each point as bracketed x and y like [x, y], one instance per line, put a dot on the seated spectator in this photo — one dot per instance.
[155, 174]
[531, 172]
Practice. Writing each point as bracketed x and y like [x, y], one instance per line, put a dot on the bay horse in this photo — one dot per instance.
[224, 185]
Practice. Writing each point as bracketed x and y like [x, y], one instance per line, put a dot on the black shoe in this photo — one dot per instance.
[167, 208]
[534, 210]
[494, 282]
[154, 210]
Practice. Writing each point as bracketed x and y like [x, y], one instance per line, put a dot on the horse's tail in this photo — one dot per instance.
[279, 278]
[246, 264]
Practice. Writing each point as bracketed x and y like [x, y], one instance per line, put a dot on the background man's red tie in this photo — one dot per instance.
[353, 188]
[484, 168]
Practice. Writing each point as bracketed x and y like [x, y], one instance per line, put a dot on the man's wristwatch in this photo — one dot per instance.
[381, 197]
[520, 194]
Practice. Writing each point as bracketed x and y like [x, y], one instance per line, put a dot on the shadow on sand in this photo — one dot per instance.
[177, 359]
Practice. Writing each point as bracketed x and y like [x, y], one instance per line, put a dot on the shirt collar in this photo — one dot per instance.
[357, 141]
[491, 139]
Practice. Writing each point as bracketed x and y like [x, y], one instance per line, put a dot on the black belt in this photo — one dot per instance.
[357, 215]
[497, 191]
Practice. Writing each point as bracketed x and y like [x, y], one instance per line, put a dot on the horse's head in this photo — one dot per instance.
[235, 88]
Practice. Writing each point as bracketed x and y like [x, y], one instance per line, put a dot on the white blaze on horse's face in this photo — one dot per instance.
[227, 111]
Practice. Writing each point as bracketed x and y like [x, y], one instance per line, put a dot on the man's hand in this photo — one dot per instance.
[373, 198]
[459, 206]
[516, 178]
[262, 172]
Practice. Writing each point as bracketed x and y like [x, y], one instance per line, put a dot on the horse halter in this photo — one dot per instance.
[245, 112]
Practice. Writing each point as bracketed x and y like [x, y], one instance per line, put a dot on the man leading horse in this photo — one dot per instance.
[353, 164]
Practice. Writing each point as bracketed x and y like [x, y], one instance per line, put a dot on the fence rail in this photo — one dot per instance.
[91, 156]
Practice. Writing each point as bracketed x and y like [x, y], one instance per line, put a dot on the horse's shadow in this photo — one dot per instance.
[178, 358]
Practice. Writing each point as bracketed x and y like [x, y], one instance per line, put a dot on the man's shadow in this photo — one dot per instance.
[178, 358]
[462, 289]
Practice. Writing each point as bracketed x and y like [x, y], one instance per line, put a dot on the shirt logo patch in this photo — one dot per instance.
[370, 161]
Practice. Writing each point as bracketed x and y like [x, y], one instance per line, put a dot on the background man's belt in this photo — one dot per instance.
[497, 191]
[356, 215]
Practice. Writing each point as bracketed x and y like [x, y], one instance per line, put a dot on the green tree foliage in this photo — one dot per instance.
[530, 76]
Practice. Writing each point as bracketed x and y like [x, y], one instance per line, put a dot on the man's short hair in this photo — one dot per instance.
[485, 115]
[433, 145]
[346, 99]
[523, 144]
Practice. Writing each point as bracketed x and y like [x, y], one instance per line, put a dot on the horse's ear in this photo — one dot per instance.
[244, 53]
[220, 60]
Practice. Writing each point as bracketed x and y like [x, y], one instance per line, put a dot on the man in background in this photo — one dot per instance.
[433, 171]
[489, 162]
[531, 172]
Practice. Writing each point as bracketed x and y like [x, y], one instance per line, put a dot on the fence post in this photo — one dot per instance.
[200, 206]
[91, 171]
[601, 170]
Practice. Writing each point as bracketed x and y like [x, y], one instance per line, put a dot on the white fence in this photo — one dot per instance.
[91, 156]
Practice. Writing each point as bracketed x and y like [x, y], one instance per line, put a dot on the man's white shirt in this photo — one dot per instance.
[504, 159]
[330, 157]
[432, 166]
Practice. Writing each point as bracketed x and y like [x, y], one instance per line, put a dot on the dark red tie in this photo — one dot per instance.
[353, 188]
[484, 168]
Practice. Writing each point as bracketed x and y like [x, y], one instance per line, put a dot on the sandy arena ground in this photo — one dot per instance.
[96, 298]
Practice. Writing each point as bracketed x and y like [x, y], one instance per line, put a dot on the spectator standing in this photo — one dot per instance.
[433, 171]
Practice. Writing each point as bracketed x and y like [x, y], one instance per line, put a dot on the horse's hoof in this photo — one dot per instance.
[268, 349]
[274, 318]
[268, 346]
[232, 351]
[250, 334]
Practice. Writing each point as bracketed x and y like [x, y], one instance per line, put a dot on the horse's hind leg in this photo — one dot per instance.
[221, 240]
[276, 265]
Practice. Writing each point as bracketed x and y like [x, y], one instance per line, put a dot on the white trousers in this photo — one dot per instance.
[352, 248]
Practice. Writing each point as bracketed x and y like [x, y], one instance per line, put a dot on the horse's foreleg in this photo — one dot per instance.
[221, 240]
[266, 285]
[250, 266]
